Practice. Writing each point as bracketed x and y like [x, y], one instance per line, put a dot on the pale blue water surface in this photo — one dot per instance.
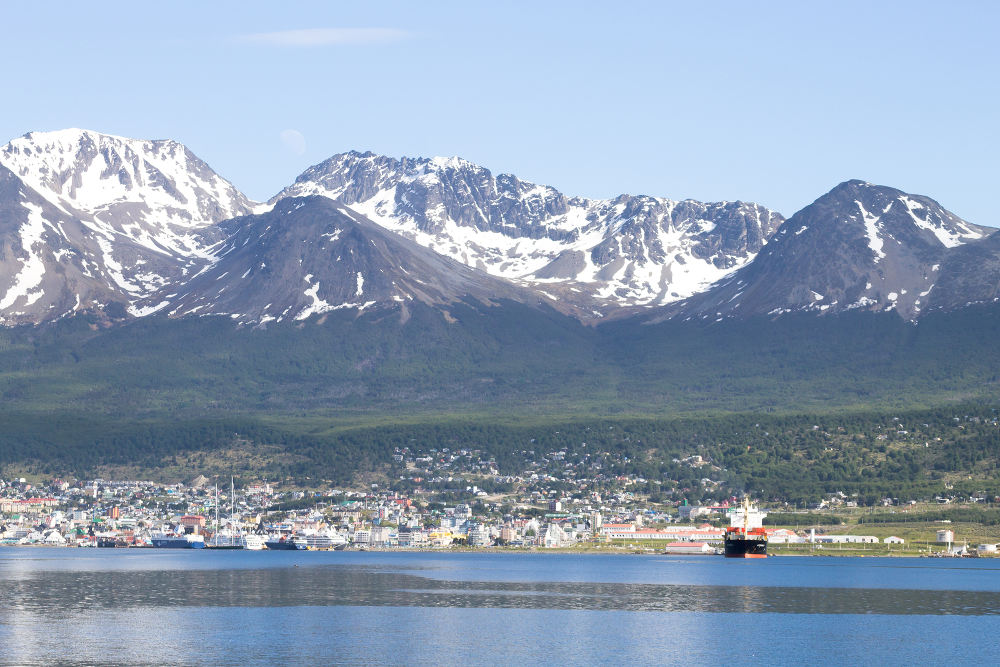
[147, 606]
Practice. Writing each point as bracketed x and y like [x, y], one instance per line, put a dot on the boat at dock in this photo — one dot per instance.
[111, 542]
[247, 541]
[325, 541]
[169, 541]
[746, 536]
[286, 543]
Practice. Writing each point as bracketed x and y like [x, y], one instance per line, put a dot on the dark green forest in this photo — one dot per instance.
[786, 408]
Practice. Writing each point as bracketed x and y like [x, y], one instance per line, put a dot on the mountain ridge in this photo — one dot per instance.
[104, 219]
[626, 251]
[128, 228]
[859, 246]
[338, 259]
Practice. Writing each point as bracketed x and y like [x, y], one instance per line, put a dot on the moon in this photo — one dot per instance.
[293, 141]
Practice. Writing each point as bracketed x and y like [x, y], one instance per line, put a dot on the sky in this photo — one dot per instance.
[772, 102]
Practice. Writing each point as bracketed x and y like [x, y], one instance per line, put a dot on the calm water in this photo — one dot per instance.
[83, 606]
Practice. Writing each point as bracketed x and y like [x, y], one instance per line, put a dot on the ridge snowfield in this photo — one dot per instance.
[860, 246]
[311, 256]
[126, 228]
[52, 264]
[108, 219]
[628, 251]
[157, 193]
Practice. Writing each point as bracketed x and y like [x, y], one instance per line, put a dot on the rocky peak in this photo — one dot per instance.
[860, 246]
[626, 251]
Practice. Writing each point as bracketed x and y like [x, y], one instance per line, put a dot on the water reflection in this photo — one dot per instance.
[64, 593]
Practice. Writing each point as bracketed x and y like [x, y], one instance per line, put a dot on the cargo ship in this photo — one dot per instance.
[747, 538]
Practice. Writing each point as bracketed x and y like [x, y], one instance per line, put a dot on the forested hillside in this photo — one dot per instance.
[334, 399]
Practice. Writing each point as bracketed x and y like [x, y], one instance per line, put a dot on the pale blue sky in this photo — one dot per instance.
[774, 102]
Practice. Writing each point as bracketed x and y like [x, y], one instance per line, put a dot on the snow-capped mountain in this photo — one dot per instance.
[95, 219]
[628, 251]
[158, 193]
[310, 256]
[125, 227]
[860, 246]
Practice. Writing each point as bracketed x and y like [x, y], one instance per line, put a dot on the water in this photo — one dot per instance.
[83, 606]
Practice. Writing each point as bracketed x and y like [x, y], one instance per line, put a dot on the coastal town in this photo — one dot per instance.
[124, 514]
[518, 512]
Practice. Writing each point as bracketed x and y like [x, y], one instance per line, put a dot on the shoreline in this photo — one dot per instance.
[586, 551]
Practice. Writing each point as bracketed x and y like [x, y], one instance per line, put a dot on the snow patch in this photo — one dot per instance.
[956, 235]
[147, 310]
[26, 282]
[871, 230]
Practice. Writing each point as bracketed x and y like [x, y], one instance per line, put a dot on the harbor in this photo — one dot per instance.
[260, 516]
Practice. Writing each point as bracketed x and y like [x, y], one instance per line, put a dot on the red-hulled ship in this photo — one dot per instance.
[742, 541]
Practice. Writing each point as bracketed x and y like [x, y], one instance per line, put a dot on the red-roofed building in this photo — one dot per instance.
[31, 504]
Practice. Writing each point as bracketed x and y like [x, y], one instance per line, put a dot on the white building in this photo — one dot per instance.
[554, 537]
[380, 535]
[689, 548]
[479, 535]
[784, 536]
[689, 512]
[847, 539]
[53, 537]
[612, 531]
[892, 539]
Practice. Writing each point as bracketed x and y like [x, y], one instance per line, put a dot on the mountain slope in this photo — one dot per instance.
[156, 192]
[93, 220]
[311, 256]
[629, 251]
[969, 274]
[53, 264]
[860, 246]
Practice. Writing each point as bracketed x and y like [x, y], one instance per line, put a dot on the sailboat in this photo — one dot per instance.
[232, 537]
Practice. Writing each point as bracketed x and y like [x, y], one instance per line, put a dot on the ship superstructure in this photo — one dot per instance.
[746, 536]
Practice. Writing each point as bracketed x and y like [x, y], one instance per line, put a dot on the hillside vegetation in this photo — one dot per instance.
[788, 408]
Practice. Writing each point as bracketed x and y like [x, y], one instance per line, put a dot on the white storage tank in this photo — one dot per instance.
[946, 536]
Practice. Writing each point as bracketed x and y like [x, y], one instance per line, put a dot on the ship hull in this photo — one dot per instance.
[743, 548]
[176, 543]
[286, 545]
